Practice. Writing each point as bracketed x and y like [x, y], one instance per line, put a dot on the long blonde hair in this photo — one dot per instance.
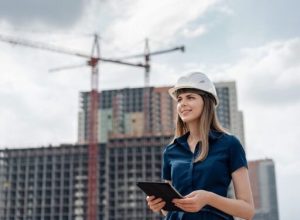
[208, 121]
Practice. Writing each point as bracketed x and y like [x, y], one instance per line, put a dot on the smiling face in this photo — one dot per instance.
[189, 106]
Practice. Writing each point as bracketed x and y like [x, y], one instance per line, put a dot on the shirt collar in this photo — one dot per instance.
[212, 135]
[182, 140]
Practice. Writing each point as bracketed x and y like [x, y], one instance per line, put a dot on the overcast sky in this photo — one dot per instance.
[256, 43]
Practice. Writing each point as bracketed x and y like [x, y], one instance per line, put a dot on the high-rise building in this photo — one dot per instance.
[229, 115]
[50, 183]
[263, 184]
[122, 112]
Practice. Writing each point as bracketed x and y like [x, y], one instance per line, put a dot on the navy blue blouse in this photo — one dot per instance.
[225, 155]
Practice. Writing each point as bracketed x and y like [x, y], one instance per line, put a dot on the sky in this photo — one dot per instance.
[255, 43]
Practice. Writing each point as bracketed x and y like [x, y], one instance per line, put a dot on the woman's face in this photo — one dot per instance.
[189, 106]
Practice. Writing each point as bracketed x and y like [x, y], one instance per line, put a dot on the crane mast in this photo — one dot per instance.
[93, 151]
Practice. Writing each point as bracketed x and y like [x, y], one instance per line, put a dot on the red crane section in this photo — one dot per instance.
[93, 136]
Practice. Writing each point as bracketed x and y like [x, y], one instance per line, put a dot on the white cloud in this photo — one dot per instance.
[225, 9]
[188, 33]
[271, 73]
[158, 19]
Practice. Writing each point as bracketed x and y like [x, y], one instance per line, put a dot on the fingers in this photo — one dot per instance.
[187, 208]
[184, 201]
[192, 194]
[149, 198]
[155, 204]
[157, 207]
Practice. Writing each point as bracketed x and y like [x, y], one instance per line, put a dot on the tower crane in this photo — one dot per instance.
[147, 90]
[93, 61]
[147, 55]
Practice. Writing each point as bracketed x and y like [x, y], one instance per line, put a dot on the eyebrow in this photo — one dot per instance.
[189, 94]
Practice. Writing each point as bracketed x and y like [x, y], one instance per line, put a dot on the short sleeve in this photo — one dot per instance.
[166, 168]
[237, 155]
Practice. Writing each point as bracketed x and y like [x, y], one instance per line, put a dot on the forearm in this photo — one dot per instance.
[235, 207]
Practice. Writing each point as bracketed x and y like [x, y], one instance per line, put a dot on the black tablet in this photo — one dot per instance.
[162, 190]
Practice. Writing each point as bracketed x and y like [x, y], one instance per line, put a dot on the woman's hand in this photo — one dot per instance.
[194, 201]
[155, 204]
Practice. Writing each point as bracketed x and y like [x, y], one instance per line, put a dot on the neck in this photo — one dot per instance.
[194, 131]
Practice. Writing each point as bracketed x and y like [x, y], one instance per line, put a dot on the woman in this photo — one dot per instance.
[203, 159]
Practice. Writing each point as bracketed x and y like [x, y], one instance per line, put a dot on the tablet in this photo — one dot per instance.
[162, 190]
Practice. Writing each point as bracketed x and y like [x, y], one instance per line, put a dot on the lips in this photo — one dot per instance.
[185, 111]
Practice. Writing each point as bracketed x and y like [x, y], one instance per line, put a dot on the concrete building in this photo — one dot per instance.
[229, 115]
[50, 183]
[122, 112]
[131, 160]
[263, 183]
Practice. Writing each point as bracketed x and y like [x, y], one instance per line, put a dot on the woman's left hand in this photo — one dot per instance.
[193, 202]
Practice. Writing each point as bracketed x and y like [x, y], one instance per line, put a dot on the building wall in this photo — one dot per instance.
[229, 115]
[263, 183]
[131, 160]
[164, 111]
[3, 183]
[49, 183]
[134, 123]
[106, 120]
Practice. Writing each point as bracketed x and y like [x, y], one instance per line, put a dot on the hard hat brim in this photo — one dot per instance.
[172, 92]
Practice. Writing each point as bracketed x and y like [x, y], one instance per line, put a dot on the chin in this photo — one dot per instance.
[187, 120]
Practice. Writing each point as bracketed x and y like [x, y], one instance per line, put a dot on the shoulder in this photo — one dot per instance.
[235, 147]
[230, 138]
[231, 141]
[170, 146]
[167, 151]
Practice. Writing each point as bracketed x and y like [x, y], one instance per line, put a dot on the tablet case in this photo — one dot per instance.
[161, 190]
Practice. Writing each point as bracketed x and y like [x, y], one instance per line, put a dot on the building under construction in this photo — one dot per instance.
[50, 183]
[123, 111]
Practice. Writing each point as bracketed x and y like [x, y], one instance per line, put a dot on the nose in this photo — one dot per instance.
[182, 102]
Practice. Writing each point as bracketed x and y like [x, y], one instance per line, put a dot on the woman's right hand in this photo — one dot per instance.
[155, 204]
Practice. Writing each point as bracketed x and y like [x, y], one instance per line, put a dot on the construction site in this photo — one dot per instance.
[120, 138]
[92, 125]
[86, 111]
[51, 182]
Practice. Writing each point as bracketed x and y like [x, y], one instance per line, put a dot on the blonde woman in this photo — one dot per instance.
[203, 159]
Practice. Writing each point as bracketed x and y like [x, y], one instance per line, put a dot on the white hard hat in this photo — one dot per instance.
[195, 80]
